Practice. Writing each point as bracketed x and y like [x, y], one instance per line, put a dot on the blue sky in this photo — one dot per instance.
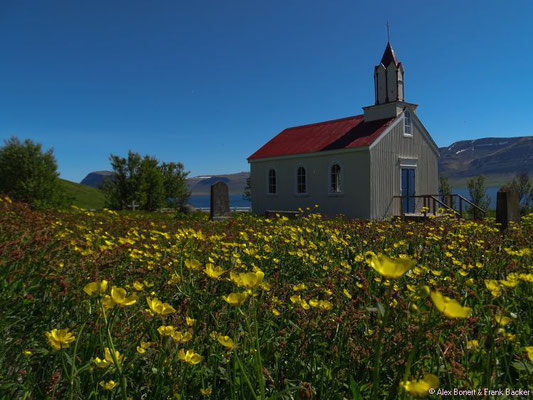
[208, 82]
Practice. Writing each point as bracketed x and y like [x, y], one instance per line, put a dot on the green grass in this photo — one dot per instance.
[84, 196]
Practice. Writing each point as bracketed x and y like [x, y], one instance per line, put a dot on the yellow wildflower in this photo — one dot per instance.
[390, 268]
[158, 307]
[60, 338]
[313, 302]
[347, 294]
[108, 385]
[118, 296]
[138, 286]
[207, 391]
[529, 350]
[192, 264]
[189, 357]
[166, 330]
[296, 298]
[226, 341]
[325, 305]
[300, 286]
[236, 299]
[494, 287]
[182, 336]
[95, 288]
[421, 387]
[472, 344]
[144, 345]
[101, 363]
[109, 356]
[449, 307]
[190, 321]
[252, 279]
[213, 272]
[502, 319]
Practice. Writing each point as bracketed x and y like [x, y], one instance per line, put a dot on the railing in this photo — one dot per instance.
[232, 209]
[431, 203]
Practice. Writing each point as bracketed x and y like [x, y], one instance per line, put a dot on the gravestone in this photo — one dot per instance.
[219, 202]
[507, 207]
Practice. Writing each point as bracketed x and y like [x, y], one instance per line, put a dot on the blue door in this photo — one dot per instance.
[408, 190]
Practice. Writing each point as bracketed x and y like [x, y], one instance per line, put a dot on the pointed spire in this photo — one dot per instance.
[388, 56]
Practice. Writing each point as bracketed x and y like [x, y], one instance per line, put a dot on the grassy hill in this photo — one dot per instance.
[84, 196]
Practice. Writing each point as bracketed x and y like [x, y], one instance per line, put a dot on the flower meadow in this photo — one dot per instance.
[158, 306]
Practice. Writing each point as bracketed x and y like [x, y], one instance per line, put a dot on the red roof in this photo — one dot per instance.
[345, 133]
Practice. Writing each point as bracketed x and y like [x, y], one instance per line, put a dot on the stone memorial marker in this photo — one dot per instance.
[507, 207]
[219, 201]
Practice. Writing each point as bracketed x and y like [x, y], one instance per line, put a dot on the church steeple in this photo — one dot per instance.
[388, 78]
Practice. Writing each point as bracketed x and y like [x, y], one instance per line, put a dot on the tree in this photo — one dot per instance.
[147, 183]
[247, 195]
[124, 186]
[29, 175]
[175, 184]
[445, 190]
[523, 186]
[151, 190]
[478, 192]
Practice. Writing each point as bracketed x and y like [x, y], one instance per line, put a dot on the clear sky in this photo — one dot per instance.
[208, 82]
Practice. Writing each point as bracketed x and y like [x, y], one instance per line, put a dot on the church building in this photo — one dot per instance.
[372, 165]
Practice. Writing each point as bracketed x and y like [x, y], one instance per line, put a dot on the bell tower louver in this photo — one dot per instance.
[388, 78]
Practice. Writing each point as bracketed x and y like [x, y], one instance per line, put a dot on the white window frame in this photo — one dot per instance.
[268, 181]
[296, 192]
[407, 124]
[341, 179]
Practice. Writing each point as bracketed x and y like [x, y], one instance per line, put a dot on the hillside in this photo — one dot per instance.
[83, 196]
[496, 158]
[200, 185]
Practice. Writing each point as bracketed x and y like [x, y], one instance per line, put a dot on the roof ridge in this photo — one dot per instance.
[325, 122]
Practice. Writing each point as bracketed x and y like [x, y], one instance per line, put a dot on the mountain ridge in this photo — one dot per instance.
[497, 158]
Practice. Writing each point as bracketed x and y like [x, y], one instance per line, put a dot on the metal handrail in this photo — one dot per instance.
[434, 198]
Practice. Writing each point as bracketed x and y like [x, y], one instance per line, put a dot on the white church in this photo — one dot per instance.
[372, 165]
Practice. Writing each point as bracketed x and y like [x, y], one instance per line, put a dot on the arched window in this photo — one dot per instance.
[407, 123]
[335, 179]
[271, 181]
[301, 186]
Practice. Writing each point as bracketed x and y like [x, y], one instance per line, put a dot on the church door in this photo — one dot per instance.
[408, 190]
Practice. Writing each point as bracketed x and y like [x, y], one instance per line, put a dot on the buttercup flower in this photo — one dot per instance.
[529, 350]
[207, 391]
[60, 338]
[189, 357]
[252, 279]
[118, 296]
[502, 319]
[158, 307]
[213, 272]
[108, 385]
[192, 264]
[421, 387]
[109, 357]
[227, 342]
[96, 288]
[449, 307]
[236, 299]
[390, 268]
[182, 336]
[166, 330]
[472, 344]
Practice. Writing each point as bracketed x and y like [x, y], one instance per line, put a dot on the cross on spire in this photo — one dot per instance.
[388, 32]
